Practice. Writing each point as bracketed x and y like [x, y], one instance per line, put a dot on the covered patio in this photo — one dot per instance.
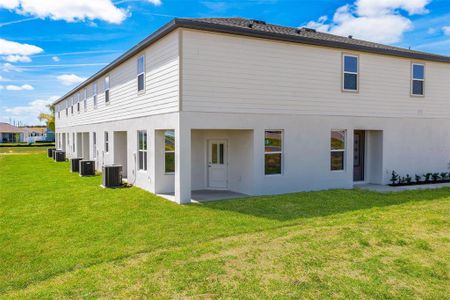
[210, 164]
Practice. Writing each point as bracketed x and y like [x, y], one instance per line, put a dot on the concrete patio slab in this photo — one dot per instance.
[208, 195]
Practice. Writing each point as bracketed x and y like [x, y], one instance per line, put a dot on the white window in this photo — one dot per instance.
[142, 150]
[350, 67]
[417, 79]
[67, 111]
[59, 115]
[141, 73]
[85, 99]
[337, 147]
[78, 102]
[169, 151]
[106, 142]
[94, 142]
[273, 152]
[94, 94]
[107, 89]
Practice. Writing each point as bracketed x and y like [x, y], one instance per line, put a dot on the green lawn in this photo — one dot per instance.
[63, 236]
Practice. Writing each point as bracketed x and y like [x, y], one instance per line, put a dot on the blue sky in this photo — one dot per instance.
[47, 46]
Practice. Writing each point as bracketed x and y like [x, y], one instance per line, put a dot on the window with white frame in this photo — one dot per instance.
[141, 73]
[417, 79]
[273, 152]
[73, 142]
[78, 103]
[85, 99]
[59, 115]
[94, 94]
[106, 141]
[350, 69]
[67, 111]
[169, 151]
[142, 150]
[106, 89]
[337, 148]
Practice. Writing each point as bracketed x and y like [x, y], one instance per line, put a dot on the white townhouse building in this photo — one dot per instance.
[255, 108]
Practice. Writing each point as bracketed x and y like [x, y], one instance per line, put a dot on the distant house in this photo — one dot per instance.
[255, 108]
[38, 134]
[12, 134]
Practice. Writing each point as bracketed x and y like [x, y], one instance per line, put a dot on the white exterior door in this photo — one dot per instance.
[217, 164]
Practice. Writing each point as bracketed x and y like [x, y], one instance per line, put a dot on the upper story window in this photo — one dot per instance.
[59, 115]
[67, 111]
[78, 103]
[273, 152]
[141, 73]
[142, 149]
[107, 89]
[85, 99]
[94, 94]
[417, 79]
[337, 148]
[350, 80]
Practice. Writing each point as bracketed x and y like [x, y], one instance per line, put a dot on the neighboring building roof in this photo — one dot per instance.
[260, 29]
[8, 128]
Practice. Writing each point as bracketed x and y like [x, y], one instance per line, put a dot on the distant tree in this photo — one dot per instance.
[48, 118]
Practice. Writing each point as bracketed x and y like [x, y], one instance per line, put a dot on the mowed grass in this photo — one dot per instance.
[24, 150]
[63, 236]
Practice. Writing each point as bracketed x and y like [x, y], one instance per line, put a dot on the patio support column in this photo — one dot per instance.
[183, 165]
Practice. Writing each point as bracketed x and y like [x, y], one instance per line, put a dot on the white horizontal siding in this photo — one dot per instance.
[161, 93]
[229, 73]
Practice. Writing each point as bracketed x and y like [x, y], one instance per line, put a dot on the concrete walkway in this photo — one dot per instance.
[387, 189]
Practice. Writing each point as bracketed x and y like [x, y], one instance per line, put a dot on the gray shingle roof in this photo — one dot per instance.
[260, 29]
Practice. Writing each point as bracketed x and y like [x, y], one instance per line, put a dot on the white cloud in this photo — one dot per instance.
[155, 2]
[70, 79]
[56, 58]
[374, 20]
[28, 113]
[17, 52]
[11, 87]
[7, 67]
[17, 58]
[68, 10]
[3, 79]
[446, 30]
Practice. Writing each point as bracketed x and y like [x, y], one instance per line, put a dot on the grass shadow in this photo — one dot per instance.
[323, 203]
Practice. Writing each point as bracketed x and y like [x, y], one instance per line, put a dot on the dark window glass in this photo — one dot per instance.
[169, 140]
[337, 160]
[350, 81]
[272, 163]
[107, 96]
[140, 82]
[417, 87]
[350, 64]
[272, 141]
[170, 162]
[214, 154]
[418, 72]
[338, 140]
[169, 147]
[221, 153]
